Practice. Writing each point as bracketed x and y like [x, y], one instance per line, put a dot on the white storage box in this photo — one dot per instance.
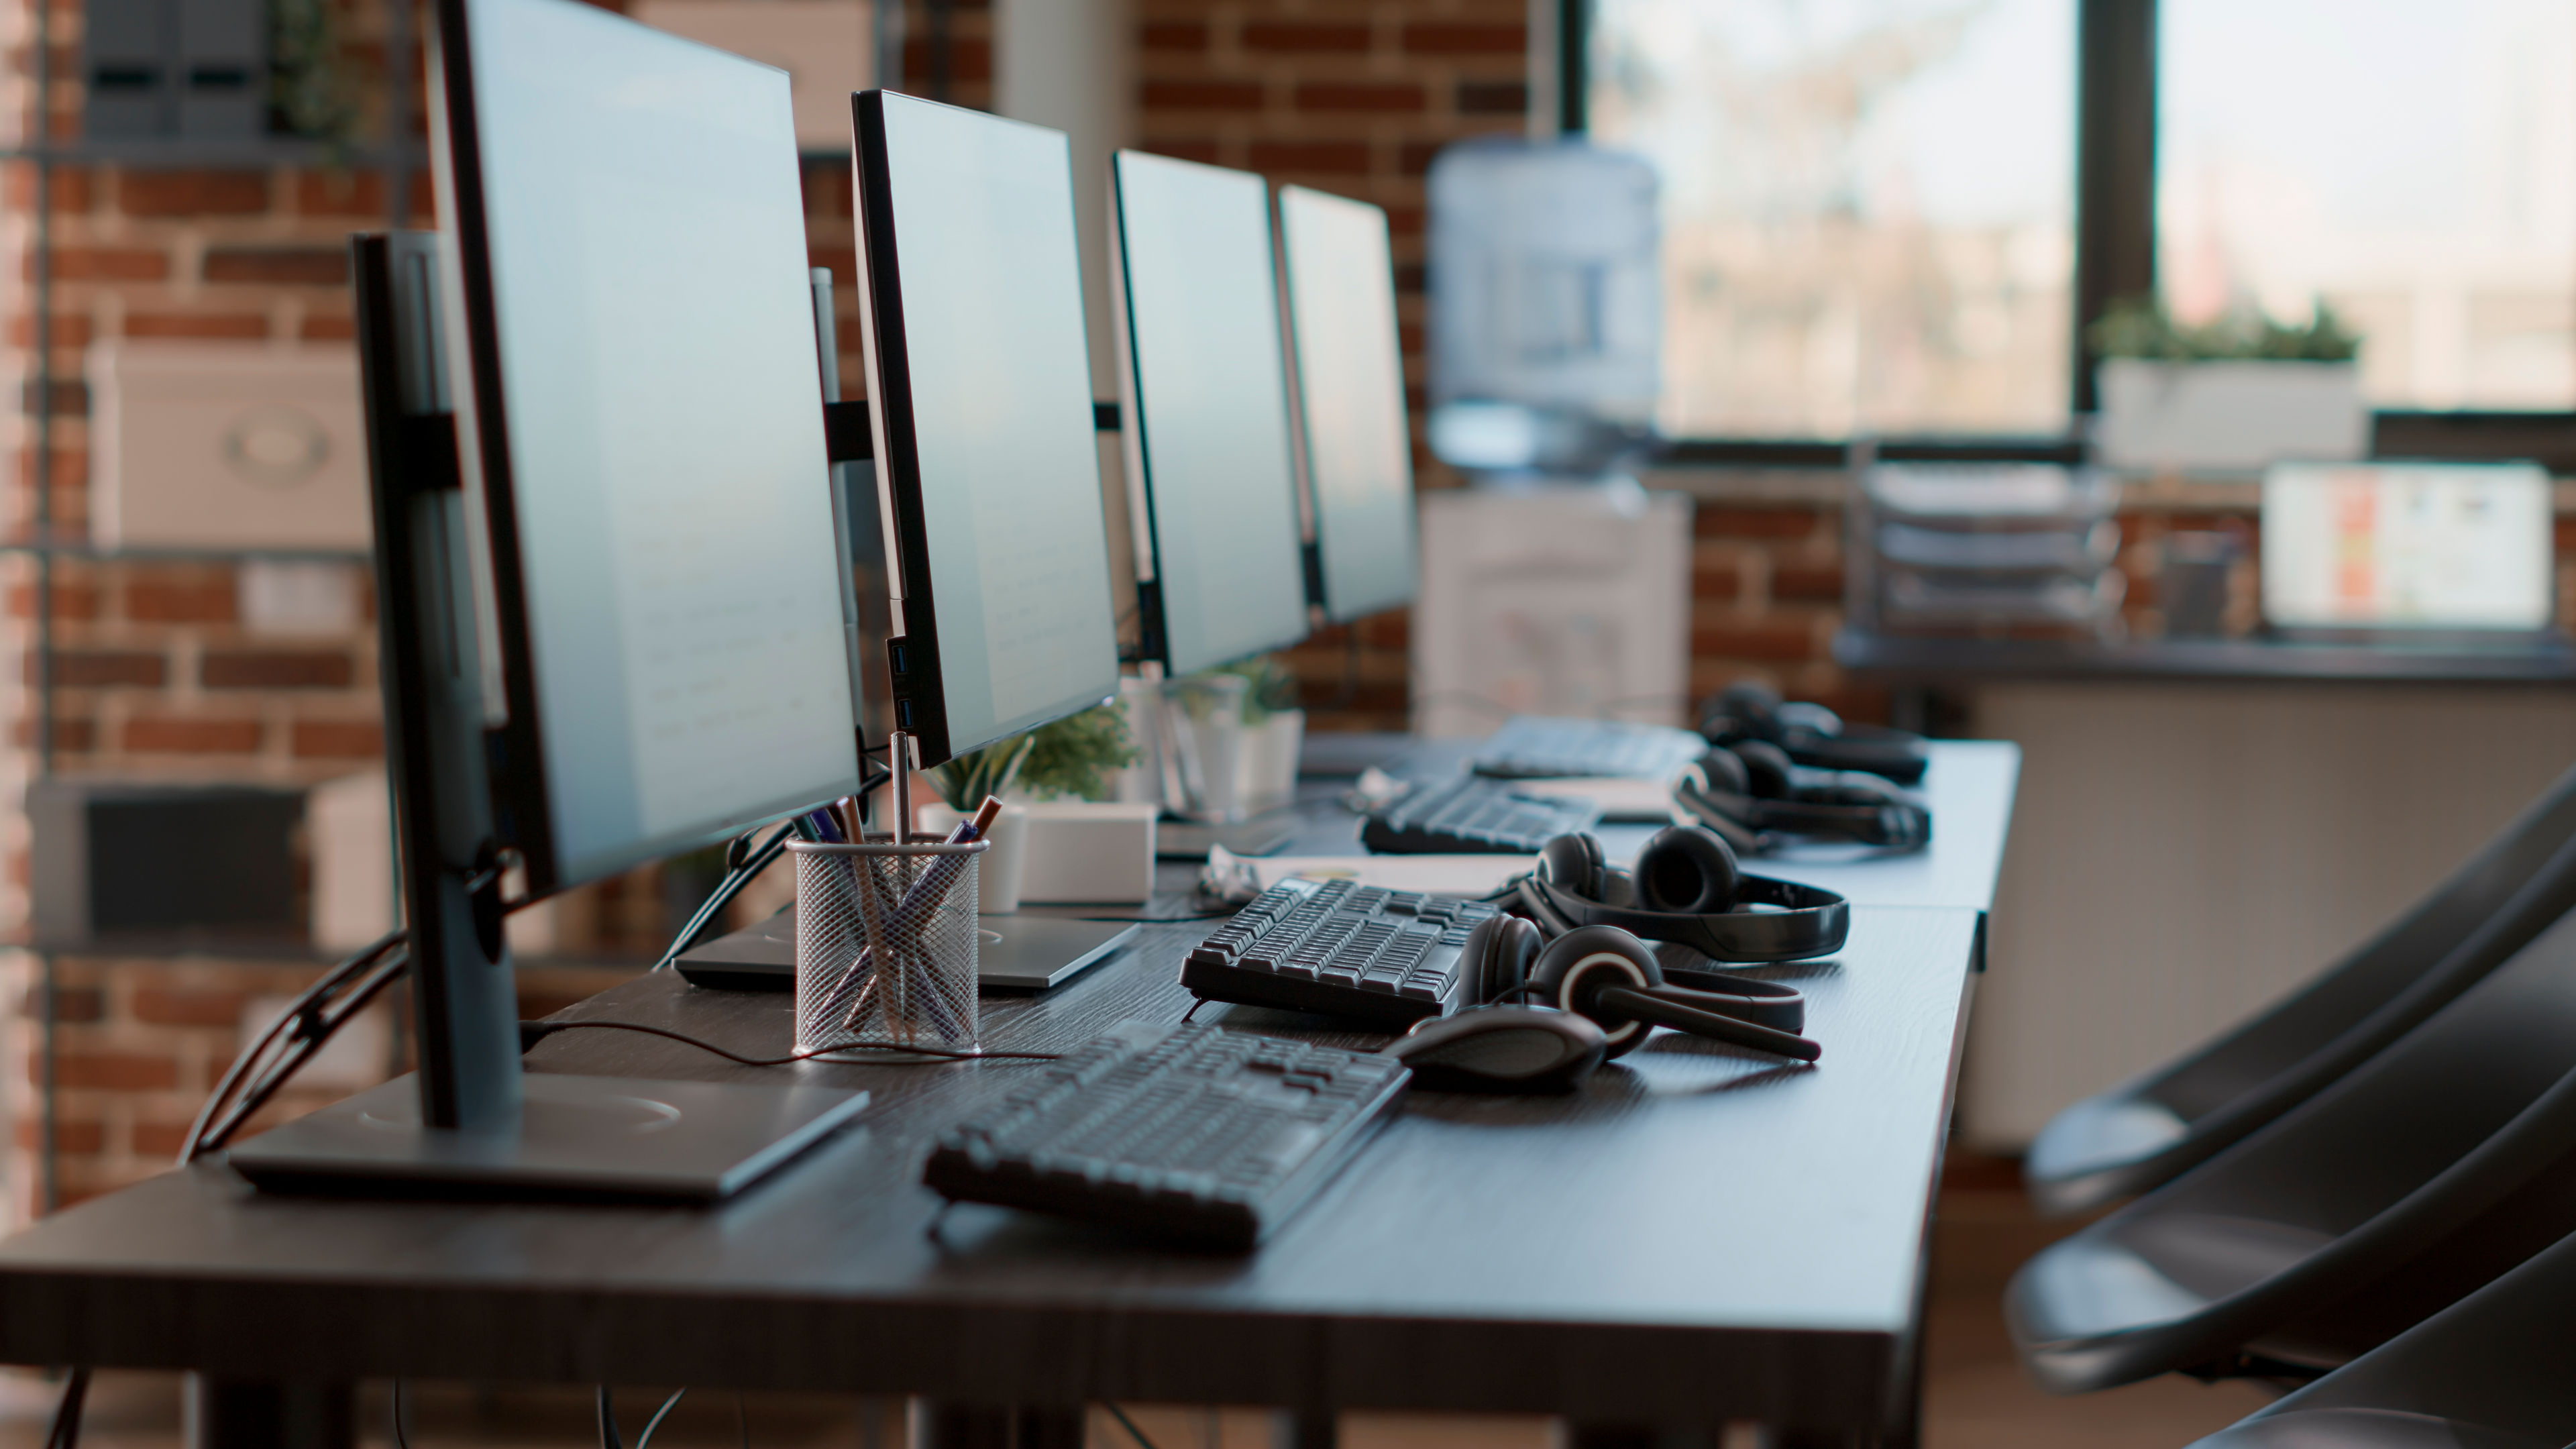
[212, 446]
[2229, 416]
[1085, 853]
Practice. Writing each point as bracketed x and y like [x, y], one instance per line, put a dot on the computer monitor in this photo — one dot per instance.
[641, 432]
[979, 392]
[1339, 275]
[1211, 469]
[2421, 547]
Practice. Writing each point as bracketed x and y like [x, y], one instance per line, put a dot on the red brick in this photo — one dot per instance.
[182, 600]
[71, 601]
[1339, 158]
[71, 1004]
[1491, 98]
[169, 736]
[328, 329]
[827, 191]
[1386, 97]
[1157, 95]
[842, 261]
[1390, 630]
[1716, 581]
[159, 1139]
[192, 193]
[1442, 38]
[179, 1006]
[1404, 221]
[1709, 522]
[240, 325]
[1168, 36]
[1309, 39]
[104, 668]
[1415, 157]
[279, 266]
[71, 186]
[111, 1071]
[106, 264]
[1807, 583]
[71, 1135]
[70, 329]
[277, 669]
[326, 739]
[72, 734]
[1186, 150]
[340, 193]
[970, 58]
[1777, 636]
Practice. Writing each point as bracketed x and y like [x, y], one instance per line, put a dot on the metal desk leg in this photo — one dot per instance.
[934, 1425]
[250, 1414]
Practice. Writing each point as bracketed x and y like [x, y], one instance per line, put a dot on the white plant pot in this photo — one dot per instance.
[2228, 416]
[1266, 770]
[998, 877]
[1087, 853]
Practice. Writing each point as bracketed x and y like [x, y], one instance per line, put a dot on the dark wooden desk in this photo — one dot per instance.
[1916, 661]
[1700, 1237]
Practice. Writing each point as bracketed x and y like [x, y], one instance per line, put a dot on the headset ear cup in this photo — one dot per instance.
[1573, 864]
[1766, 768]
[1753, 705]
[1599, 955]
[1688, 870]
[1722, 770]
[1497, 957]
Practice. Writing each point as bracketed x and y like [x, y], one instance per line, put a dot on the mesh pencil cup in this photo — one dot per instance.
[885, 944]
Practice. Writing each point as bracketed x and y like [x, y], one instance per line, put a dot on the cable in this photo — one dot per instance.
[645, 1439]
[532, 1032]
[292, 1040]
[1127, 1424]
[608, 1436]
[742, 866]
[65, 1433]
[742, 1421]
[401, 1439]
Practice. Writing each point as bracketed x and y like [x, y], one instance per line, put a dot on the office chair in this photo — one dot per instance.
[2426, 1173]
[2154, 1127]
[2489, 1372]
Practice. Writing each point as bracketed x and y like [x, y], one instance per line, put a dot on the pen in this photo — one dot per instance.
[922, 898]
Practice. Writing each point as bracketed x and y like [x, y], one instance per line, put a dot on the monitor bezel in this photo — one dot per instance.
[1136, 440]
[514, 730]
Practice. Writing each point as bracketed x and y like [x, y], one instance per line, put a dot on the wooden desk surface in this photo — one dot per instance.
[1701, 1235]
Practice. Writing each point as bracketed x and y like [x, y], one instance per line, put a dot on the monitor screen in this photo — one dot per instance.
[1340, 278]
[640, 424]
[1210, 469]
[979, 389]
[2407, 545]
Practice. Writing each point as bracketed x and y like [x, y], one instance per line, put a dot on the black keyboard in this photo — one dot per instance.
[1472, 816]
[1189, 1130]
[1536, 747]
[1383, 958]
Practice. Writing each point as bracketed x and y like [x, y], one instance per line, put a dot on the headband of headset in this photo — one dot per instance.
[1891, 822]
[1810, 921]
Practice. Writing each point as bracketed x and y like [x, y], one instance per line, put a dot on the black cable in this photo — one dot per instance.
[742, 1421]
[309, 1022]
[645, 1439]
[1193, 1011]
[1167, 920]
[608, 1435]
[532, 1032]
[65, 1433]
[1127, 1424]
[739, 874]
[401, 1439]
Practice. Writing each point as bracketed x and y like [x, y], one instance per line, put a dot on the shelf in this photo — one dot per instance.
[180, 155]
[74, 546]
[1956, 660]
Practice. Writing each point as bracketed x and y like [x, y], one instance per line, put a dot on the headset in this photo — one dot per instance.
[1687, 888]
[1811, 734]
[1610, 978]
[1747, 793]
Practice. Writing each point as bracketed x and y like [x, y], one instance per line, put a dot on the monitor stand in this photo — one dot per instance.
[472, 1121]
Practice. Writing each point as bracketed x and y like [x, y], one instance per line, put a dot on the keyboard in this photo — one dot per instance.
[1536, 747]
[1382, 958]
[1472, 815]
[1187, 1130]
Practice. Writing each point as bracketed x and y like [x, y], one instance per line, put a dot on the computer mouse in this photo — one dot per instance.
[1502, 1049]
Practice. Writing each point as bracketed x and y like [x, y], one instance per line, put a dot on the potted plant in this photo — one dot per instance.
[1274, 729]
[1073, 757]
[2237, 394]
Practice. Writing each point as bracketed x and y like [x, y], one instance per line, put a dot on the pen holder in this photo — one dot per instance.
[885, 944]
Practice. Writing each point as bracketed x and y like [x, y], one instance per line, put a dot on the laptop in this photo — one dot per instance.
[2452, 555]
[1019, 953]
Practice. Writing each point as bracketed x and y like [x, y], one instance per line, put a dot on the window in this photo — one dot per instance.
[1868, 208]
[2411, 165]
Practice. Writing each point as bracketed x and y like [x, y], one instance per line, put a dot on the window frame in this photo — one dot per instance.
[2115, 257]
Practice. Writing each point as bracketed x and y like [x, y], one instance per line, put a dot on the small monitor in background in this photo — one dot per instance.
[638, 406]
[1211, 471]
[2426, 548]
[979, 385]
[1339, 276]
